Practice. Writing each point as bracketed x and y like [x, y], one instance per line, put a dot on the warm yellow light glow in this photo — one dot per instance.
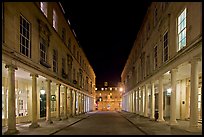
[110, 88]
[121, 89]
[102, 88]
[100, 94]
[95, 88]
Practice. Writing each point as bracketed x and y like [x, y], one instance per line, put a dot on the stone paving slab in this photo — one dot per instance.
[159, 128]
[45, 128]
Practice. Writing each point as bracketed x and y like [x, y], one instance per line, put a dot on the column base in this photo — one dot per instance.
[64, 118]
[145, 115]
[173, 123]
[160, 120]
[49, 121]
[34, 125]
[11, 132]
[152, 119]
[194, 129]
[58, 119]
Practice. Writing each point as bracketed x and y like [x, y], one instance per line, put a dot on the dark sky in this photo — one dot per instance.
[106, 30]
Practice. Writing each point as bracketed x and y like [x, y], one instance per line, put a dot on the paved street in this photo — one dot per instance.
[102, 123]
[106, 123]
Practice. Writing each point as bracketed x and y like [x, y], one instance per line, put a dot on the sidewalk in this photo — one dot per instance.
[160, 128]
[47, 129]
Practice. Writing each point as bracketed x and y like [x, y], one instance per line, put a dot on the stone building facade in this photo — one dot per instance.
[164, 69]
[45, 73]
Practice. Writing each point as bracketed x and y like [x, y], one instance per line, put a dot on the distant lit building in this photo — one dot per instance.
[45, 73]
[108, 98]
[164, 69]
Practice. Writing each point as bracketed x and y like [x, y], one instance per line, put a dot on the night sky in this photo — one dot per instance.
[106, 30]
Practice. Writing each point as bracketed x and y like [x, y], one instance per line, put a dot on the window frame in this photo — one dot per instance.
[156, 57]
[167, 40]
[26, 38]
[182, 30]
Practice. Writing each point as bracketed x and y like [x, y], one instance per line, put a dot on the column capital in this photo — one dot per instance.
[48, 80]
[195, 59]
[11, 66]
[58, 84]
[174, 70]
[33, 75]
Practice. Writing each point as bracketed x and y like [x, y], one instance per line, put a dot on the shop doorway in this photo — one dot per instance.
[42, 105]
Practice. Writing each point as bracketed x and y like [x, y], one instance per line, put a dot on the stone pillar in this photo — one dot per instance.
[161, 118]
[48, 102]
[194, 95]
[135, 101]
[152, 102]
[141, 102]
[11, 101]
[5, 98]
[75, 97]
[65, 102]
[34, 123]
[173, 98]
[71, 103]
[137, 107]
[187, 100]
[146, 101]
[82, 103]
[58, 102]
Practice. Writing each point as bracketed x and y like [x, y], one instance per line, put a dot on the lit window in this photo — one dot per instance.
[43, 7]
[54, 19]
[182, 30]
[100, 94]
[110, 88]
[102, 88]
[25, 37]
[95, 88]
[115, 88]
[165, 48]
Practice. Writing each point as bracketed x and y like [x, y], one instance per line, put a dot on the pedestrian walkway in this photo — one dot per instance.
[160, 128]
[45, 128]
[144, 124]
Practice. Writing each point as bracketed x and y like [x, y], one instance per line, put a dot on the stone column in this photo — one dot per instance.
[5, 99]
[58, 102]
[146, 101]
[34, 122]
[11, 101]
[48, 102]
[152, 102]
[173, 98]
[65, 102]
[187, 100]
[135, 101]
[161, 118]
[141, 102]
[75, 97]
[82, 103]
[71, 103]
[194, 95]
[137, 107]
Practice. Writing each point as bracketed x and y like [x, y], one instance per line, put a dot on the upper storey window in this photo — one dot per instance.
[54, 19]
[182, 30]
[43, 7]
[25, 47]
